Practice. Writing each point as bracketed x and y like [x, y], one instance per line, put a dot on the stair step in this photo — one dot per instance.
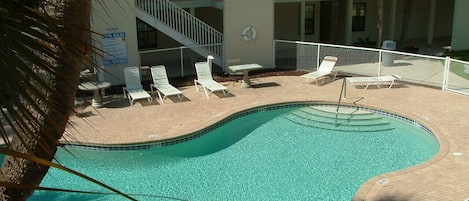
[343, 114]
[340, 127]
[342, 110]
[347, 119]
[350, 121]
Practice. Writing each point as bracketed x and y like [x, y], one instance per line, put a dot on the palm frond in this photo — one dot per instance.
[51, 164]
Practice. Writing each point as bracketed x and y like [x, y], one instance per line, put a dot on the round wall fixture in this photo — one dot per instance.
[249, 33]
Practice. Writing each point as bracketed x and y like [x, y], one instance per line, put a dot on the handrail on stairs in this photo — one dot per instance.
[343, 95]
[342, 90]
[183, 22]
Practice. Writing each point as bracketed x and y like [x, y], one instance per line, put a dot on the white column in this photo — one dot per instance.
[302, 20]
[348, 22]
[431, 22]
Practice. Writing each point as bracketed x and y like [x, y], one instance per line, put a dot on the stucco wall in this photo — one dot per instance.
[120, 16]
[239, 14]
[211, 16]
[371, 23]
[460, 39]
[287, 21]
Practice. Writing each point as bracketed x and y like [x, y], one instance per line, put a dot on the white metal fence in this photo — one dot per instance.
[449, 74]
[179, 61]
[443, 72]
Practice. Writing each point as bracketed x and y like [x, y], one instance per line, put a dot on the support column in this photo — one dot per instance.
[431, 22]
[302, 20]
[348, 22]
[392, 20]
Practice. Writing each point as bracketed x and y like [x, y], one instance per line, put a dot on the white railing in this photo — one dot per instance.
[443, 72]
[179, 61]
[183, 22]
[453, 80]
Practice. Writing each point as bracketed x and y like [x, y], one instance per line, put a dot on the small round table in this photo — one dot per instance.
[245, 68]
[95, 87]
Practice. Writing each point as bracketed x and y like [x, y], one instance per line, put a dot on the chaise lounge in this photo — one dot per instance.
[377, 81]
[161, 83]
[324, 70]
[204, 78]
[133, 89]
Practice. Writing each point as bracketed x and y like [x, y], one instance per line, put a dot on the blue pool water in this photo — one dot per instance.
[259, 156]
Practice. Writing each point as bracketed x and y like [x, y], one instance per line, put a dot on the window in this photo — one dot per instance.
[309, 19]
[358, 16]
[146, 35]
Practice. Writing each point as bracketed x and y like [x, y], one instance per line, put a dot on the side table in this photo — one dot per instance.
[95, 87]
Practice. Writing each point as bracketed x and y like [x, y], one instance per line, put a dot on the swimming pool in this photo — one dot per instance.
[260, 154]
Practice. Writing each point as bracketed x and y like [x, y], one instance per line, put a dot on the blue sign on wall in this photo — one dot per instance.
[115, 48]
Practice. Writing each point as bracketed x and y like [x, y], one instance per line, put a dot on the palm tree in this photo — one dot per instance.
[41, 54]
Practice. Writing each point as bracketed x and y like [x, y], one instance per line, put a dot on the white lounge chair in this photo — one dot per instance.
[133, 89]
[161, 83]
[367, 81]
[325, 69]
[204, 78]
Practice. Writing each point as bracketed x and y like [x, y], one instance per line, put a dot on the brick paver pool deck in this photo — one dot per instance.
[444, 177]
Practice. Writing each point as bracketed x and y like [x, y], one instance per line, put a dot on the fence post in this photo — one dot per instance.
[273, 55]
[446, 73]
[380, 54]
[317, 58]
[182, 60]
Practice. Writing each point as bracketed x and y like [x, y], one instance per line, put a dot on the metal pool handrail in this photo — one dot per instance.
[338, 102]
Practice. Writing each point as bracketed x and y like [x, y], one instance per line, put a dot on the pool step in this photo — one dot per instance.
[348, 119]
[344, 113]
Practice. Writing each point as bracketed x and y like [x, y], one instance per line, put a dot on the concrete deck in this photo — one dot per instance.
[444, 177]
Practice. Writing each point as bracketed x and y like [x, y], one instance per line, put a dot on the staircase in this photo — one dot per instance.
[183, 27]
[348, 119]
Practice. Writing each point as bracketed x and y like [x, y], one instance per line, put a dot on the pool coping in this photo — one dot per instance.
[190, 136]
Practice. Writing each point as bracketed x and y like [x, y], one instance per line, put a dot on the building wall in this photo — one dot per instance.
[211, 16]
[287, 21]
[241, 13]
[444, 18]
[460, 38]
[287, 17]
[120, 17]
[371, 23]
[418, 29]
[279, 21]
[419, 19]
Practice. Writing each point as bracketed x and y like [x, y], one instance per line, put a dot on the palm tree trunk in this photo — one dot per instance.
[64, 81]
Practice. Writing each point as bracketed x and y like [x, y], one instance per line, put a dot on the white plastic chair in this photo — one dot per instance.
[161, 83]
[204, 78]
[133, 89]
[325, 69]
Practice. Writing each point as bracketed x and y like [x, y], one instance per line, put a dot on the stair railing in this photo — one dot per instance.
[342, 90]
[343, 95]
[183, 22]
